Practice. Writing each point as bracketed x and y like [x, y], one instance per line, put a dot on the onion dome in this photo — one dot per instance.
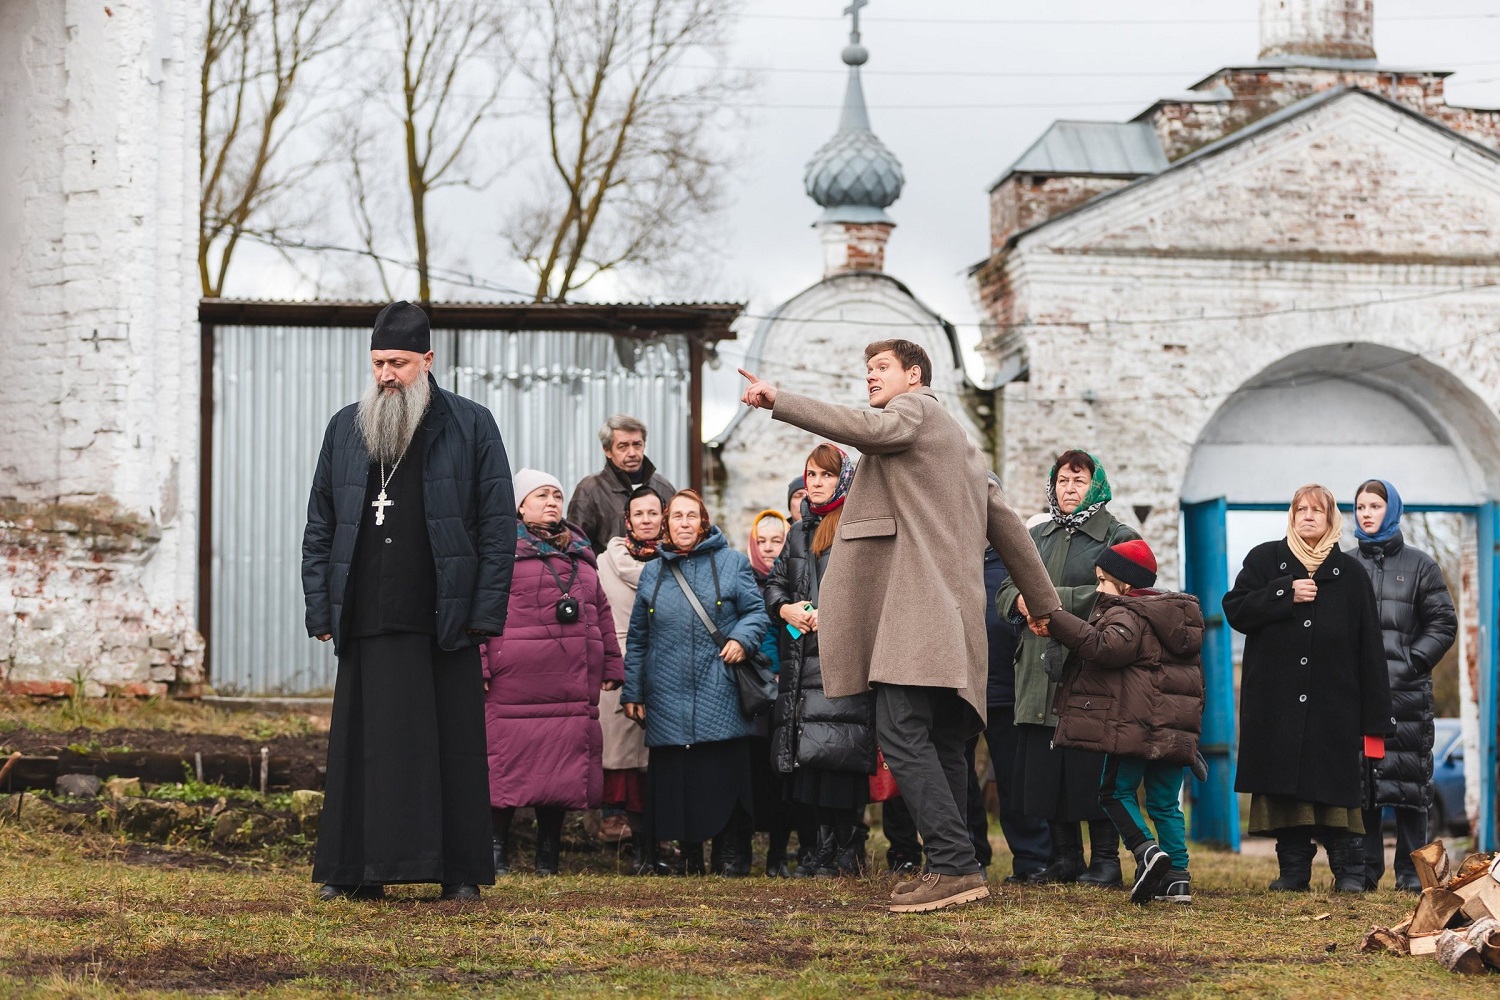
[854, 177]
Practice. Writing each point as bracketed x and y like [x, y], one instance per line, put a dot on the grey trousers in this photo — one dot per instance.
[923, 732]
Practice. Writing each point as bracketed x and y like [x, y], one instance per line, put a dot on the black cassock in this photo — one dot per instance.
[408, 773]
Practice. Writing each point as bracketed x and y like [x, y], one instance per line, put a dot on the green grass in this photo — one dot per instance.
[90, 916]
[63, 715]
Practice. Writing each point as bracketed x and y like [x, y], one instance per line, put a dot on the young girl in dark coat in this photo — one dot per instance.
[826, 746]
[1134, 690]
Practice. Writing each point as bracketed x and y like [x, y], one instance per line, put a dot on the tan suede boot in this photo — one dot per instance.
[934, 892]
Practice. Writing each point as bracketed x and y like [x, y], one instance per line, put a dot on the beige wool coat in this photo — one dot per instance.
[624, 740]
[903, 599]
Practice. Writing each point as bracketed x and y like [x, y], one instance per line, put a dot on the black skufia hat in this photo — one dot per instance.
[402, 326]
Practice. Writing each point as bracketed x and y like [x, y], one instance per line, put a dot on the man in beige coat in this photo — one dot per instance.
[902, 604]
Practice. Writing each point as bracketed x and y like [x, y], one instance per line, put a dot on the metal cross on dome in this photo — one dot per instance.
[853, 9]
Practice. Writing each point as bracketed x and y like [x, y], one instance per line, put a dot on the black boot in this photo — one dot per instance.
[848, 852]
[776, 866]
[732, 846]
[1067, 846]
[1104, 856]
[1294, 853]
[822, 854]
[692, 858]
[500, 844]
[648, 859]
[548, 840]
[1346, 859]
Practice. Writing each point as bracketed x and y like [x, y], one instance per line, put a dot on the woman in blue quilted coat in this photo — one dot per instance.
[679, 681]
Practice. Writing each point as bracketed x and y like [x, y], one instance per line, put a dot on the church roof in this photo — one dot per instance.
[854, 176]
[1108, 149]
[1266, 124]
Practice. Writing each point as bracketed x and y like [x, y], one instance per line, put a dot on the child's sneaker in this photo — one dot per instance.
[1178, 888]
[1151, 867]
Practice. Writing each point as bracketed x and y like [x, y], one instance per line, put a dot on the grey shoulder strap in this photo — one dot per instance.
[687, 590]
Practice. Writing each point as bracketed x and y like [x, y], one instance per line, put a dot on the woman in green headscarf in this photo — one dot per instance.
[1062, 785]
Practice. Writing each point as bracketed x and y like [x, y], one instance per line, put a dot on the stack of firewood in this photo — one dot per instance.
[1457, 918]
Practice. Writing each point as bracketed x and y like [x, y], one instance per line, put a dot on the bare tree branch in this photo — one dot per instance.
[442, 46]
[633, 169]
[254, 53]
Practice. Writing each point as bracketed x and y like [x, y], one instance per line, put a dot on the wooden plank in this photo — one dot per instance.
[31, 773]
[1431, 862]
[1423, 944]
[1434, 909]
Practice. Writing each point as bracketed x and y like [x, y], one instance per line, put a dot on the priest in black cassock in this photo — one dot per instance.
[406, 567]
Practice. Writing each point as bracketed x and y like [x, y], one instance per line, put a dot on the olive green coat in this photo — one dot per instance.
[1069, 557]
[902, 601]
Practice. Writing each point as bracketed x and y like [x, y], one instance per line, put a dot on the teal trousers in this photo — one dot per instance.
[1118, 794]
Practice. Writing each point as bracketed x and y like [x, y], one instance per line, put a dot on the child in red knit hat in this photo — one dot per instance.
[1133, 689]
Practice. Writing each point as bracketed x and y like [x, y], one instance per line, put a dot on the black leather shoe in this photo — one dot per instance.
[460, 894]
[328, 893]
[1408, 883]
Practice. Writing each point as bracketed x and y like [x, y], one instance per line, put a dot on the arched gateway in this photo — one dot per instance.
[1337, 414]
[1290, 272]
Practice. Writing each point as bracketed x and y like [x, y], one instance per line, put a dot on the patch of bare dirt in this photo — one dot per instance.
[307, 753]
[173, 967]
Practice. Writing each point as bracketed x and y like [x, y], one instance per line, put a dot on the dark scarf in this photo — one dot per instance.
[647, 471]
[548, 538]
[642, 551]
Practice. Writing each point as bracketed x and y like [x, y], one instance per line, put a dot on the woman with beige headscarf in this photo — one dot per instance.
[1314, 696]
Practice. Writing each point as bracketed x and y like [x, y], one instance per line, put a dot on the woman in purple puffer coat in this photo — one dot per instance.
[542, 678]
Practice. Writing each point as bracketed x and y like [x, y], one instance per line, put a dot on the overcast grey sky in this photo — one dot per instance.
[957, 89]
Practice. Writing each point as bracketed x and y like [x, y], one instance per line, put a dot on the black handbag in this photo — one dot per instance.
[752, 676]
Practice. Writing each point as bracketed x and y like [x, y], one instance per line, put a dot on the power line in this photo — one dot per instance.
[466, 279]
[1092, 22]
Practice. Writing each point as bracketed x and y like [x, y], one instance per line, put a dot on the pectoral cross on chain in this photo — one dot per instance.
[380, 503]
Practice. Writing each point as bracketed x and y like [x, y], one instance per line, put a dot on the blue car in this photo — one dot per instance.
[1447, 814]
[1446, 817]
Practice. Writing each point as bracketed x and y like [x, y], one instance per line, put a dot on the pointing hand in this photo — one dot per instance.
[761, 395]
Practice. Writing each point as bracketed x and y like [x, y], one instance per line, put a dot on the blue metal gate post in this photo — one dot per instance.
[1215, 808]
[1489, 669]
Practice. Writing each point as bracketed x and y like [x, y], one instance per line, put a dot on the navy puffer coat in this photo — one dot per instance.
[672, 665]
[809, 728]
[1418, 625]
[471, 520]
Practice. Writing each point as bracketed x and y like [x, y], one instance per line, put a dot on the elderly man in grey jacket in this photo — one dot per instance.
[903, 601]
[599, 501]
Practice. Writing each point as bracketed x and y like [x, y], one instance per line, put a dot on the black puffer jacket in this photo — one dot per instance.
[471, 520]
[1418, 625]
[809, 729]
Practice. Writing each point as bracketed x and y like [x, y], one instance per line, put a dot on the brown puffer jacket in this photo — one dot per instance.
[1134, 684]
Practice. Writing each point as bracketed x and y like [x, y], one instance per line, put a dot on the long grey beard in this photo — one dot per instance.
[387, 420]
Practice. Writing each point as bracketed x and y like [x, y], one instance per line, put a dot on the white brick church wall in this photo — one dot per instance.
[98, 290]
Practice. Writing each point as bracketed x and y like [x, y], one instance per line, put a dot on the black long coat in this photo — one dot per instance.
[1418, 625]
[809, 729]
[1314, 680]
[471, 520]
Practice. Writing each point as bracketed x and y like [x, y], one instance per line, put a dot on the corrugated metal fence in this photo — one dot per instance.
[274, 389]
